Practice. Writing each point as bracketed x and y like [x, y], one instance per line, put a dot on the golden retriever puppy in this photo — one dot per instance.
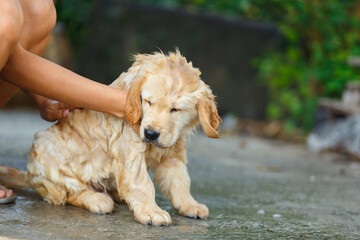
[90, 158]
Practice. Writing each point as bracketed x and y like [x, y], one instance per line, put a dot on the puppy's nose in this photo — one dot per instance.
[151, 135]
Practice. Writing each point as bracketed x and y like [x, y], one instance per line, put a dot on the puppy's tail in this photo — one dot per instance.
[13, 178]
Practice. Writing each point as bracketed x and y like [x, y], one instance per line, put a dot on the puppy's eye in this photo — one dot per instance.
[148, 102]
[175, 110]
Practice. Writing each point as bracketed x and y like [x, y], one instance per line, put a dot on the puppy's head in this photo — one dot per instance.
[170, 99]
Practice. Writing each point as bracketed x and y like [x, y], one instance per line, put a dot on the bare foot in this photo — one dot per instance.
[4, 192]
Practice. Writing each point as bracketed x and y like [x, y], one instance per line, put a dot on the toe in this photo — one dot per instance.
[9, 193]
[157, 218]
[161, 219]
[203, 212]
[143, 218]
[2, 194]
[167, 219]
[195, 211]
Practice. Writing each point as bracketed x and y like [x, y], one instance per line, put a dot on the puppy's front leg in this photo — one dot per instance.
[173, 180]
[136, 188]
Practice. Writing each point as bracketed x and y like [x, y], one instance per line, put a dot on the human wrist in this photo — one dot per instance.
[117, 107]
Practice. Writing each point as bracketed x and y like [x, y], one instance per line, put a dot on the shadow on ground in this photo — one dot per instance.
[255, 189]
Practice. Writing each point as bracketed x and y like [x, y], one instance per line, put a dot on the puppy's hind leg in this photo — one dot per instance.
[51, 192]
[95, 202]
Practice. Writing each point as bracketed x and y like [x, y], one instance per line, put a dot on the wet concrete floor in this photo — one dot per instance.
[254, 188]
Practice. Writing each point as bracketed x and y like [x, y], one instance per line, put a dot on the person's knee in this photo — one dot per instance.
[11, 23]
[43, 13]
[9, 31]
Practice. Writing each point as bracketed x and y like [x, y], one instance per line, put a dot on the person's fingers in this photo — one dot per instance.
[65, 113]
[57, 106]
[2, 194]
[48, 114]
[9, 193]
[59, 110]
[58, 114]
[54, 111]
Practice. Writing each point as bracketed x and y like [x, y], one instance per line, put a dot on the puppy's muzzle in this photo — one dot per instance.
[151, 135]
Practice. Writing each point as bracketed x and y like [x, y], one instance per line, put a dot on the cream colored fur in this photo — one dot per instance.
[91, 158]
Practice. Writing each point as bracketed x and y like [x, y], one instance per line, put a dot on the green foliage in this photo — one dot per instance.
[75, 14]
[319, 36]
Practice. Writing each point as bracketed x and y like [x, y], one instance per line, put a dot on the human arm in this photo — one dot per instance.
[38, 75]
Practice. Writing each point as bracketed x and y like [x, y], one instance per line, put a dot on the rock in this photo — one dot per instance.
[341, 135]
[261, 212]
[229, 122]
[312, 179]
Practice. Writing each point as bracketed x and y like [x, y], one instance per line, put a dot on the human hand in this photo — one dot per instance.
[51, 110]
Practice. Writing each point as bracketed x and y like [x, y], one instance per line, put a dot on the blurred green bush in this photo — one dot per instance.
[311, 63]
[319, 37]
[75, 14]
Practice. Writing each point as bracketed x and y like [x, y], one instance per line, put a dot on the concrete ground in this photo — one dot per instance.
[254, 188]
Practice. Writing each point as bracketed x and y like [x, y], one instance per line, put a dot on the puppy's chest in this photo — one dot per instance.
[154, 156]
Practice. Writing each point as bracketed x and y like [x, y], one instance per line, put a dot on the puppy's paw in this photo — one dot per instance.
[157, 217]
[100, 203]
[194, 210]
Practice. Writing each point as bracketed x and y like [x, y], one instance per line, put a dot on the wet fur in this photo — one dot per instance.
[90, 158]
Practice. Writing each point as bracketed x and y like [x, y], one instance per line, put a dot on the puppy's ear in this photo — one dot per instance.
[133, 107]
[208, 115]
